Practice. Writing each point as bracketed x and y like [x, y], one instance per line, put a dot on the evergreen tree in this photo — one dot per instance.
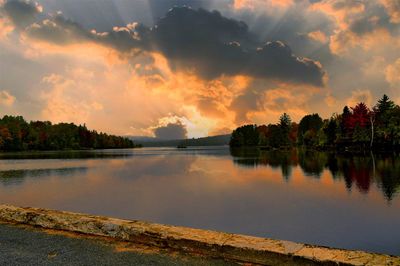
[384, 114]
[285, 124]
[344, 120]
[384, 105]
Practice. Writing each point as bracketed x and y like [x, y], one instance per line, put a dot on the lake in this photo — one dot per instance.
[343, 201]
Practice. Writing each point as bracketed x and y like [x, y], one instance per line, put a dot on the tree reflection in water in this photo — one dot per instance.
[356, 170]
[16, 177]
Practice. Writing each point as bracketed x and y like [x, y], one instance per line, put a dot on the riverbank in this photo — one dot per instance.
[229, 247]
[54, 247]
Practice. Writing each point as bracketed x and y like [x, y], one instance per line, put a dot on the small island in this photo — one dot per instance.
[357, 128]
[16, 134]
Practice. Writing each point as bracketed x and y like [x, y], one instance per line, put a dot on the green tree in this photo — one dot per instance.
[308, 129]
[384, 114]
[247, 135]
[330, 131]
[384, 105]
[275, 137]
[394, 126]
[361, 134]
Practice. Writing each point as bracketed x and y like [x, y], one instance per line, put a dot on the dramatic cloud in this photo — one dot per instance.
[359, 22]
[22, 13]
[214, 45]
[58, 30]
[171, 131]
[200, 41]
[131, 67]
[393, 8]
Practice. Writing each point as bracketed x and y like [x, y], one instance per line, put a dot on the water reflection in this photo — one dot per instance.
[358, 171]
[17, 177]
[80, 154]
[296, 195]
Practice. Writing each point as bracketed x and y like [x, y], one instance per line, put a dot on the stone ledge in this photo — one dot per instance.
[240, 248]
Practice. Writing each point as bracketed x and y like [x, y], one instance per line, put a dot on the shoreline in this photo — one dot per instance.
[230, 247]
[348, 150]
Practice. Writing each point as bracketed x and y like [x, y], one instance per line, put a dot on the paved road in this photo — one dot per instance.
[25, 246]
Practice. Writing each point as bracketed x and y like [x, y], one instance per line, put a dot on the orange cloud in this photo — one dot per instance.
[330, 100]
[318, 36]
[260, 4]
[393, 9]
[5, 28]
[6, 99]
[350, 13]
[339, 10]
[293, 102]
[266, 105]
[344, 41]
[130, 96]
[392, 73]
[358, 96]
[133, 92]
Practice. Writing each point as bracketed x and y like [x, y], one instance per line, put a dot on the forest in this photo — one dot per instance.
[16, 134]
[356, 128]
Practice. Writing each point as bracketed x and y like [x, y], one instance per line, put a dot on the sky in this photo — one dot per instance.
[181, 68]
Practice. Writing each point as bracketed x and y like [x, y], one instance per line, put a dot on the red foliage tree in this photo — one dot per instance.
[360, 116]
[263, 130]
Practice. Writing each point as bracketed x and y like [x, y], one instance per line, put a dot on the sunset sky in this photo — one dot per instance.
[201, 67]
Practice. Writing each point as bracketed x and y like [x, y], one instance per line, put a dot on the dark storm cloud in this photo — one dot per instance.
[203, 41]
[160, 8]
[214, 45]
[199, 41]
[22, 13]
[103, 15]
[276, 60]
[58, 30]
[171, 131]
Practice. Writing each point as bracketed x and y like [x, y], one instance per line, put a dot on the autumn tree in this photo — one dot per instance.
[17, 135]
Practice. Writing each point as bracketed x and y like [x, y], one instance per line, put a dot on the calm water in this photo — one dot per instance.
[344, 201]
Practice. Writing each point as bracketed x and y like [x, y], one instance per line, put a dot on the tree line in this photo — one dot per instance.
[357, 128]
[16, 134]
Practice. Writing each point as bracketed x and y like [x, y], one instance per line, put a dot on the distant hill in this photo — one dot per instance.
[207, 141]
